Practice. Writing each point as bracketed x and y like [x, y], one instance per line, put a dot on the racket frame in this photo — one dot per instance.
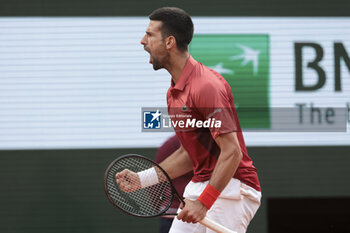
[173, 190]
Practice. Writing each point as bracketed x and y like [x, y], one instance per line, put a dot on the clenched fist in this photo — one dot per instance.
[128, 181]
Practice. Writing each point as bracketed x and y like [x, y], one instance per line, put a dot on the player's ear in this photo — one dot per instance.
[170, 42]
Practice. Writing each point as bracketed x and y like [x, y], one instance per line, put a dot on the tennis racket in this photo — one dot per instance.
[144, 189]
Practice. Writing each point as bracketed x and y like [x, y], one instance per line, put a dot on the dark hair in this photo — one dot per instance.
[177, 23]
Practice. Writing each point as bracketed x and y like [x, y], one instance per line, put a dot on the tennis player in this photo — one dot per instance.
[225, 185]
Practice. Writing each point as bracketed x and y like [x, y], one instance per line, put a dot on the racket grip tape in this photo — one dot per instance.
[215, 226]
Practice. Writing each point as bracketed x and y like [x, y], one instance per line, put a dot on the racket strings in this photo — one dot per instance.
[149, 201]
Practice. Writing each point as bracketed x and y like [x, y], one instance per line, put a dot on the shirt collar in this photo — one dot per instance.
[181, 82]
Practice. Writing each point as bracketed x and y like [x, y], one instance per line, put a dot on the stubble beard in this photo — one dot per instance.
[157, 64]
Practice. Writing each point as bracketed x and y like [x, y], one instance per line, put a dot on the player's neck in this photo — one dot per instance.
[177, 64]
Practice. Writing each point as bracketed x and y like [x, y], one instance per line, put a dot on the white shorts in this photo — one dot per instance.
[234, 209]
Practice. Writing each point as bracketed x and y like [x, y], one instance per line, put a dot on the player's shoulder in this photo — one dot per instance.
[206, 79]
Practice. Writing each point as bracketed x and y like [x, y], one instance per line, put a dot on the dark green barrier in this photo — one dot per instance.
[62, 191]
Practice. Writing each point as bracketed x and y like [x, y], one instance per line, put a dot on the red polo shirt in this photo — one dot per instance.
[202, 95]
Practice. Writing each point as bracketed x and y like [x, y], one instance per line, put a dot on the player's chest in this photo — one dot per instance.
[181, 105]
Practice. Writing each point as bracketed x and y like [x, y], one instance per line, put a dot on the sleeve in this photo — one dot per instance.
[214, 102]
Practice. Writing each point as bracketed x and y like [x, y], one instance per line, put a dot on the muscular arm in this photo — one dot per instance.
[228, 161]
[177, 164]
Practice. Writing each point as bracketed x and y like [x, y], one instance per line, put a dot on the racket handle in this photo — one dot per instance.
[215, 226]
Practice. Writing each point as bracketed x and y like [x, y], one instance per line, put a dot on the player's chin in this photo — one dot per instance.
[157, 67]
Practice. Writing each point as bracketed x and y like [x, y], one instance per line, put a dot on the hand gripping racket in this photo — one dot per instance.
[144, 189]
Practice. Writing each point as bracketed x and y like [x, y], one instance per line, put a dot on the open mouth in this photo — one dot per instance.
[150, 56]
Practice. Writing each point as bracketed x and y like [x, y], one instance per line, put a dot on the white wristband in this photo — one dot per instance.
[148, 177]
